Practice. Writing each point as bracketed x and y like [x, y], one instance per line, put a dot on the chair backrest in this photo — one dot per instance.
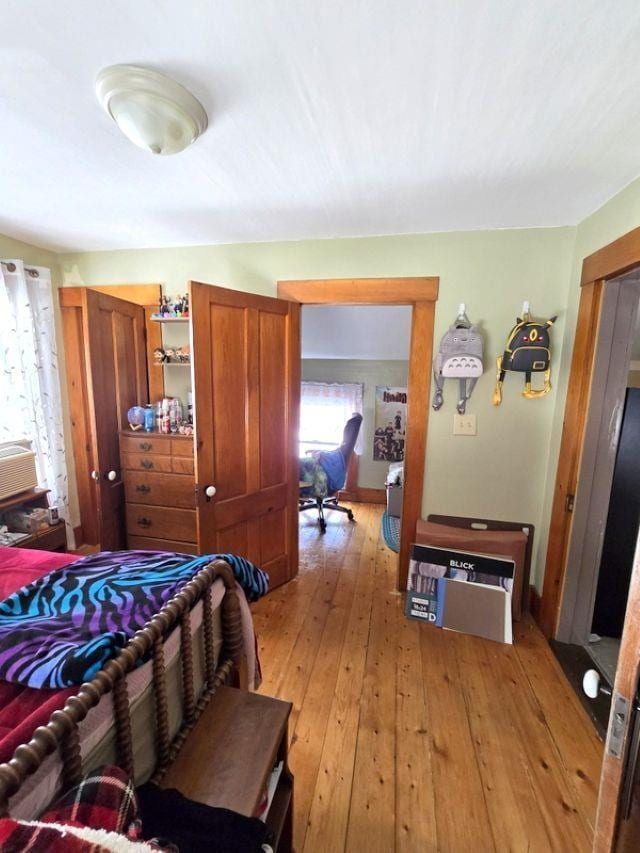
[350, 436]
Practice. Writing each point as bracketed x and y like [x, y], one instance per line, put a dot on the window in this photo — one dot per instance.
[29, 384]
[325, 407]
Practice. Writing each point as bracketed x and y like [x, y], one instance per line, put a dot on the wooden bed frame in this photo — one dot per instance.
[61, 732]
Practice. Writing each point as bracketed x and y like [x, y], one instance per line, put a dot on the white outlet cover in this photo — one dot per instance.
[464, 424]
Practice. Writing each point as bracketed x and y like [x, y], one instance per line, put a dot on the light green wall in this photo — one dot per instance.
[371, 474]
[501, 472]
[10, 248]
[508, 470]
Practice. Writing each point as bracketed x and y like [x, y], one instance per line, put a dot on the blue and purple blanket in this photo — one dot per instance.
[62, 628]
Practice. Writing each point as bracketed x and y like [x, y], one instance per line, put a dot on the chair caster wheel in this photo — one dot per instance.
[350, 515]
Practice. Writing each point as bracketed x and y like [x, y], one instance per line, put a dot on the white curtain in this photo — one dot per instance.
[325, 407]
[30, 399]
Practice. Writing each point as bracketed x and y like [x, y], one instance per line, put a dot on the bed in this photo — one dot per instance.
[140, 706]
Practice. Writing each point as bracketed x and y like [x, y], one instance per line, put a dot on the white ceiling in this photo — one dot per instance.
[332, 118]
[356, 331]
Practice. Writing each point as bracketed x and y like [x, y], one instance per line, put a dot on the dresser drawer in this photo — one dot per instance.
[161, 522]
[146, 443]
[146, 543]
[149, 462]
[182, 446]
[182, 464]
[170, 490]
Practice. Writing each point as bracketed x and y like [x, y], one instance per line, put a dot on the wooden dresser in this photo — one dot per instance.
[160, 492]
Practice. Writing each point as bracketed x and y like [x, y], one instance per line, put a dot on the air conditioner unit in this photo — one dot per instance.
[17, 470]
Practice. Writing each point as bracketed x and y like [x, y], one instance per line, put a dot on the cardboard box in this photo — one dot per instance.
[461, 591]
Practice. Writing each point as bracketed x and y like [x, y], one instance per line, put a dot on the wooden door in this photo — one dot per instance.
[618, 816]
[246, 357]
[107, 374]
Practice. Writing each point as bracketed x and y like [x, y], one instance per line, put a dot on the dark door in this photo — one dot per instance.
[107, 374]
[622, 526]
[246, 367]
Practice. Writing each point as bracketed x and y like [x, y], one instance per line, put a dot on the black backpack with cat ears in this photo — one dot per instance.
[528, 351]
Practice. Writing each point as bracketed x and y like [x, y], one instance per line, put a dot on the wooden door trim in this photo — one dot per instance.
[420, 293]
[571, 445]
[139, 294]
[360, 291]
[626, 685]
[613, 259]
[608, 262]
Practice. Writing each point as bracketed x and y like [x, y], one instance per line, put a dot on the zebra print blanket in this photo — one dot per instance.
[62, 628]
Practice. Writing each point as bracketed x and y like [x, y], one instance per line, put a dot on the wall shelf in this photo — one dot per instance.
[169, 319]
[172, 364]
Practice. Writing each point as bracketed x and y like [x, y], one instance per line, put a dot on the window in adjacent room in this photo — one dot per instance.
[325, 407]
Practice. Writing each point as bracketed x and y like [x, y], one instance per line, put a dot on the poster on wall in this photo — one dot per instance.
[390, 424]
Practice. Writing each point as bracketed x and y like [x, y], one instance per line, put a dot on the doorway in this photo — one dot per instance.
[353, 407]
[607, 501]
[420, 294]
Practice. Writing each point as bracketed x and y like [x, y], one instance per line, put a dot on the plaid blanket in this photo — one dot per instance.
[62, 628]
[104, 803]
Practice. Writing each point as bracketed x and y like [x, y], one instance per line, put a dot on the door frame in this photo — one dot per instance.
[607, 263]
[420, 293]
[603, 425]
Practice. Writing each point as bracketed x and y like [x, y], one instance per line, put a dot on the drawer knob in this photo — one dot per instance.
[95, 475]
[143, 488]
[145, 445]
[146, 463]
[210, 492]
[144, 522]
[111, 476]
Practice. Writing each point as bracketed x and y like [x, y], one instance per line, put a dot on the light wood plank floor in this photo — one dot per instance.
[405, 737]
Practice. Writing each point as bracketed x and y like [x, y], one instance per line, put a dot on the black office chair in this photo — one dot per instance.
[330, 501]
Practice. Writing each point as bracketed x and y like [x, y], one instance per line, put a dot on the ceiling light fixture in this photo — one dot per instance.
[153, 111]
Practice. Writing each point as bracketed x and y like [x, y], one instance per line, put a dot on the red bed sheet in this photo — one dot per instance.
[23, 709]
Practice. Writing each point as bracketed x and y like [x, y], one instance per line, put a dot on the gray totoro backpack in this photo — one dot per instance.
[459, 356]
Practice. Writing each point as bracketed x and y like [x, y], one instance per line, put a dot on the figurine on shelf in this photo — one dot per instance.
[185, 305]
[183, 354]
[165, 310]
[178, 306]
[170, 353]
[159, 355]
[185, 429]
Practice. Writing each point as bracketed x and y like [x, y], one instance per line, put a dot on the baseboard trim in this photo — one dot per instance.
[534, 602]
[364, 496]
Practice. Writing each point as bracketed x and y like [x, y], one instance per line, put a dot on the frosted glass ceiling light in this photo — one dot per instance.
[152, 110]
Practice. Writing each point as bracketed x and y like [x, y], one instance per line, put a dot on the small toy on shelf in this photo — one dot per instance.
[159, 355]
[176, 310]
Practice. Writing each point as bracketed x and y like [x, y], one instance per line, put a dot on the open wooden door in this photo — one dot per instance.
[106, 375]
[618, 817]
[246, 371]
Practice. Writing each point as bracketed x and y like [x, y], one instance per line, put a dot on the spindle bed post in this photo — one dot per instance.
[61, 732]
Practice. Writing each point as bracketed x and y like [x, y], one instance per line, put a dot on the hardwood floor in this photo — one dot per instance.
[405, 737]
